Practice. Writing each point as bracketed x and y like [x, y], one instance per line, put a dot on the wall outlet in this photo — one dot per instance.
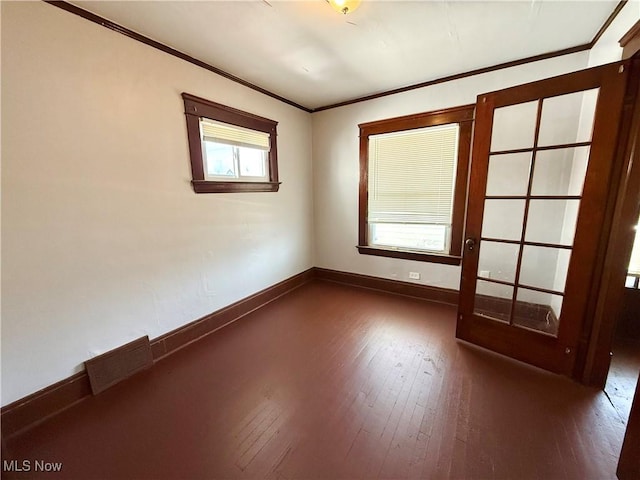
[414, 275]
[485, 273]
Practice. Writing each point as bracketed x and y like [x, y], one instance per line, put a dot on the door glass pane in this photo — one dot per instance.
[544, 267]
[560, 172]
[552, 221]
[567, 118]
[537, 311]
[508, 174]
[498, 260]
[503, 219]
[493, 300]
[514, 126]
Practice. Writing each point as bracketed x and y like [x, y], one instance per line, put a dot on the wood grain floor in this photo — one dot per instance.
[334, 382]
[623, 375]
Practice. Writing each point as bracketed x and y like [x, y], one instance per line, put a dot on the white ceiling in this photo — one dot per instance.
[306, 52]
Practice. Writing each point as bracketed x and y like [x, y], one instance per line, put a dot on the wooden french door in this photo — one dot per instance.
[543, 155]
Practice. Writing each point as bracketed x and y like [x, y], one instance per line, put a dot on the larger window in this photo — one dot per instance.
[231, 150]
[413, 183]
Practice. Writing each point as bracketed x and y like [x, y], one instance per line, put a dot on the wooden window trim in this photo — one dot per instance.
[194, 109]
[463, 116]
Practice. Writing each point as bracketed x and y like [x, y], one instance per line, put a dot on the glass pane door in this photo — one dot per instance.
[538, 160]
[542, 175]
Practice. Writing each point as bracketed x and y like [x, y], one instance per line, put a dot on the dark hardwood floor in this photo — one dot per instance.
[623, 375]
[333, 382]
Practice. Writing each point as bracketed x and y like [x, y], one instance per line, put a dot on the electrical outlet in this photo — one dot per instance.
[485, 273]
[414, 275]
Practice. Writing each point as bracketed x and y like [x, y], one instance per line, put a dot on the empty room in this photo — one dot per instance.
[320, 239]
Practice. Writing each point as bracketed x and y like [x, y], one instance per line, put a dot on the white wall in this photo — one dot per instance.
[607, 49]
[103, 239]
[336, 167]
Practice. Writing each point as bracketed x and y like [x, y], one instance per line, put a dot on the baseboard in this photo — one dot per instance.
[183, 336]
[415, 290]
[39, 406]
[33, 409]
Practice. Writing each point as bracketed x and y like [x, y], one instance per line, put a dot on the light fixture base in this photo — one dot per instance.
[344, 6]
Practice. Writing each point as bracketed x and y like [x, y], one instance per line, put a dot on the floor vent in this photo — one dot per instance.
[114, 366]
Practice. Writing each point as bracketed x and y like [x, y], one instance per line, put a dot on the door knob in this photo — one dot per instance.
[470, 243]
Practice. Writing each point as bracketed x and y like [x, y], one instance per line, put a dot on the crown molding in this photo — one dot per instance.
[183, 56]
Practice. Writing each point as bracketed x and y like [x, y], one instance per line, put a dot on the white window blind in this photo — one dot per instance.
[233, 135]
[412, 175]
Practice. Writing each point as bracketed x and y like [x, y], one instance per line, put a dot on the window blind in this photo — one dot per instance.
[233, 135]
[412, 175]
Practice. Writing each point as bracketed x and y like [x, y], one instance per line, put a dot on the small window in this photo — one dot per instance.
[413, 185]
[231, 150]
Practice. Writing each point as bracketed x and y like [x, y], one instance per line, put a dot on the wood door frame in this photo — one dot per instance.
[594, 357]
[571, 361]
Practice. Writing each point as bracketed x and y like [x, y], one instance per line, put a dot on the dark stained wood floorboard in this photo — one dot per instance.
[623, 374]
[334, 382]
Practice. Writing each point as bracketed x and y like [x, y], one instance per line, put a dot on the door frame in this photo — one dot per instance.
[594, 351]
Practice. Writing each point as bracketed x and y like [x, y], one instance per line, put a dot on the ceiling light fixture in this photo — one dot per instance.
[344, 6]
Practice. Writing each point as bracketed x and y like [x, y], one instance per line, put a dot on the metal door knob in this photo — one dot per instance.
[470, 243]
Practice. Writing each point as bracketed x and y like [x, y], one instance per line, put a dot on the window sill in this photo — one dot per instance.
[208, 186]
[409, 255]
